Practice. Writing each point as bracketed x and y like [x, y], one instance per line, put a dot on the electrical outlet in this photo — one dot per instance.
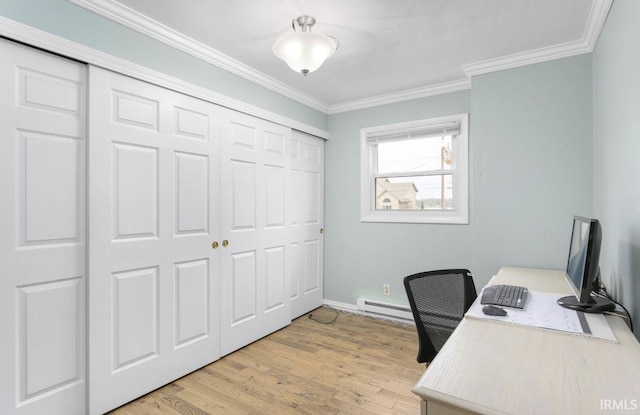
[386, 289]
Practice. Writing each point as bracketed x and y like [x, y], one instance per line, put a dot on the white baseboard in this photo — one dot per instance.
[353, 309]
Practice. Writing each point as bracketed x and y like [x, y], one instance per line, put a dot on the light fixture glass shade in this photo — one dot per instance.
[304, 52]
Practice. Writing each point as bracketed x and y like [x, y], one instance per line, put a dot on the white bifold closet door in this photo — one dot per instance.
[203, 227]
[307, 232]
[154, 291]
[256, 262]
[42, 232]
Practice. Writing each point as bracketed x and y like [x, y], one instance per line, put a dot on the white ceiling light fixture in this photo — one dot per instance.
[302, 50]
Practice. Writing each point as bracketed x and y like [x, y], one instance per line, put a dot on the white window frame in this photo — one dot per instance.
[460, 148]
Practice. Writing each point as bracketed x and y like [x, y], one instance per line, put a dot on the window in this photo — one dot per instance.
[416, 172]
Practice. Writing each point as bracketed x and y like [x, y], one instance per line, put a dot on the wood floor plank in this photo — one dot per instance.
[354, 366]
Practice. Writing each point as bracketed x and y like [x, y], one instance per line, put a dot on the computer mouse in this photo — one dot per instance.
[492, 310]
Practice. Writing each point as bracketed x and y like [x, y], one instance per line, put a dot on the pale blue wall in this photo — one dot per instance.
[531, 152]
[74, 23]
[361, 257]
[616, 80]
[531, 171]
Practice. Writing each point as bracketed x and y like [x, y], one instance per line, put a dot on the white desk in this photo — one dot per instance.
[495, 368]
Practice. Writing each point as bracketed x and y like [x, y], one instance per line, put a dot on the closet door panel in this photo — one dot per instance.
[50, 180]
[135, 191]
[191, 201]
[275, 273]
[307, 222]
[192, 311]
[255, 264]
[312, 271]
[274, 178]
[42, 242]
[134, 317]
[154, 285]
[243, 177]
[244, 288]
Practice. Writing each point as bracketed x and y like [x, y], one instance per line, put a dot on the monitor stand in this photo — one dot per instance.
[596, 305]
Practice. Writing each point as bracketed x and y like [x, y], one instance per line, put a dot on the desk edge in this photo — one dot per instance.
[452, 401]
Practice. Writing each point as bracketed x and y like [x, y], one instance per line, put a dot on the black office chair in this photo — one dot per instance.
[438, 302]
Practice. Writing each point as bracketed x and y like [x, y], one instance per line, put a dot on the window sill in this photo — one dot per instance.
[451, 217]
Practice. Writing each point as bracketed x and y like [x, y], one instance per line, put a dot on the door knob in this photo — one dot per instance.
[321, 230]
[214, 245]
[225, 243]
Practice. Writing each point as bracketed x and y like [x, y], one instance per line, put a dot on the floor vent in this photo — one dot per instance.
[381, 309]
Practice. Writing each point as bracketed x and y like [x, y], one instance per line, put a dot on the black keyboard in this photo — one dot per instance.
[505, 295]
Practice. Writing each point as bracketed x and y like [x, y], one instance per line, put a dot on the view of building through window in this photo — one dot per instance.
[415, 174]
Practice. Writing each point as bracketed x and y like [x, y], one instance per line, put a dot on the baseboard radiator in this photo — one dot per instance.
[382, 309]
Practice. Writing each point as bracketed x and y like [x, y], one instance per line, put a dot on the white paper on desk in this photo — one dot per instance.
[542, 310]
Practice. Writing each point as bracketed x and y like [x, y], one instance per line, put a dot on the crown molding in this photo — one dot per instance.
[127, 17]
[597, 17]
[599, 12]
[406, 95]
[134, 20]
[526, 58]
[35, 37]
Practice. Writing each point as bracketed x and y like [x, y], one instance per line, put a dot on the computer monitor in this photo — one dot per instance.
[582, 267]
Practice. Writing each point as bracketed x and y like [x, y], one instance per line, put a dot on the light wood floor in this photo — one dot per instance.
[355, 365]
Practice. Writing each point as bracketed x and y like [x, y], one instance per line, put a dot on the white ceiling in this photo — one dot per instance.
[389, 49]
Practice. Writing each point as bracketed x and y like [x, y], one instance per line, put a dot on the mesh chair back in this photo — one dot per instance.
[438, 301]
